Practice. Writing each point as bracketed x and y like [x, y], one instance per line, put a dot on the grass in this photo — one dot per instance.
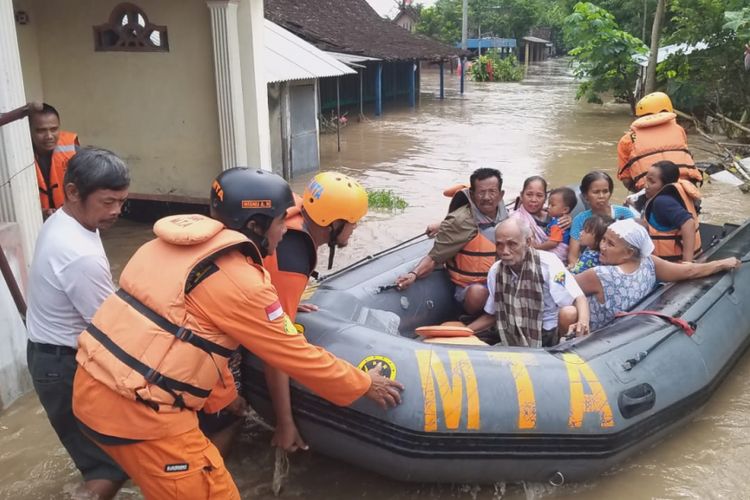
[385, 199]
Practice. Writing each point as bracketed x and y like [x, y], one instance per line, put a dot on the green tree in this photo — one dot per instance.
[602, 54]
[442, 21]
[502, 18]
[714, 79]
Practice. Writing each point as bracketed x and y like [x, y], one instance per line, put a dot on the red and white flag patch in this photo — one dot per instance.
[274, 311]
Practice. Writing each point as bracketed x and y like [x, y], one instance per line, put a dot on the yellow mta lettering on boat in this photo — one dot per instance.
[524, 389]
[581, 402]
[431, 372]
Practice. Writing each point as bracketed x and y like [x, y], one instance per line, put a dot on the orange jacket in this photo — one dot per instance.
[296, 252]
[668, 244]
[654, 138]
[229, 300]
[473, 261]
[293, 262]
[54, 195]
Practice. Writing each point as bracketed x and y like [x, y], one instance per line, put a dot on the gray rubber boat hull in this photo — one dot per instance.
[486, 414]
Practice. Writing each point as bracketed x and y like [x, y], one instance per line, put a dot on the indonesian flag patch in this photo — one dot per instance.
[274, 311]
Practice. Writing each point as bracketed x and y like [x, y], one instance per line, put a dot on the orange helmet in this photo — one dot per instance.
[331, 196]
[655, 102]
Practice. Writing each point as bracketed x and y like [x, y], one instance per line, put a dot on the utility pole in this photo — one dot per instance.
[654, 56]
[464, 24]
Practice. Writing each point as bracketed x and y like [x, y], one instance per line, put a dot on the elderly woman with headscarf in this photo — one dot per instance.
[629, 271]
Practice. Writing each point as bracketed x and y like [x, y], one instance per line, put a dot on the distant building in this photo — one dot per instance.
[535, 49]
[478, 46]
[407, 17]
[294, 69]
[385, 56]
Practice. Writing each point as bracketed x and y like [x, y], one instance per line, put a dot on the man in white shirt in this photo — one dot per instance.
[68, 281]
[533, 298]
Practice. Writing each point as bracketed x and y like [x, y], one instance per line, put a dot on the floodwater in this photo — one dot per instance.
[535, 127]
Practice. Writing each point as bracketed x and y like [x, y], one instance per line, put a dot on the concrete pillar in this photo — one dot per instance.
[442, 79]
[463, 72]
[250, 25]
[19, 193]
[526, 59]
[19, 209]
[412, 84]
[229, 90]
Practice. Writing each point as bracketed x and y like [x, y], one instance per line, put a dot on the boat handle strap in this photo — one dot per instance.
[687, 326]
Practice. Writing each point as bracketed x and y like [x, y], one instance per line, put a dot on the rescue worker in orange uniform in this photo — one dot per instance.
[465, 241]
[326, 214]
[329, 210]
[53, 148]
[654, 136]
[670, 215]
[156, 348]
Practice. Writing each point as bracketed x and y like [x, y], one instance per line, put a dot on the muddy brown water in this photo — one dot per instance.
[535, 127]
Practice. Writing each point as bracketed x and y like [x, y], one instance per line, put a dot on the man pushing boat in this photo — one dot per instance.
[326, 214]
[155, 349]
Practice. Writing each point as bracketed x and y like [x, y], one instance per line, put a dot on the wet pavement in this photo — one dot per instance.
[533, 127]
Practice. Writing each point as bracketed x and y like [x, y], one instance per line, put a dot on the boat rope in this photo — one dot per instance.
[682, 325]
[280, 471]
[281, 460]
[687, 326]
[371, 257]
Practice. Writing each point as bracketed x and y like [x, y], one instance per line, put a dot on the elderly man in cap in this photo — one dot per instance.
[533, 298]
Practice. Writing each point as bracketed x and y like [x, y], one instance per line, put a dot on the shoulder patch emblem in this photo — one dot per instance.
[274, 311]
[289, 327]
[559, 278]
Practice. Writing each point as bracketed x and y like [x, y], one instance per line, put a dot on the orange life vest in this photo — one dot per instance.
[668, 244]
[472, 263]
[296, 252]
[53, 196]
[142, 343]
[657, 138]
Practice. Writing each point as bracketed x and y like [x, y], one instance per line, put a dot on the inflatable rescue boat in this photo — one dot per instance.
[482, 414]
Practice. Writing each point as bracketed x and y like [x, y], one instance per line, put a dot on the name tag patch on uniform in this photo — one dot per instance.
[274, 311]
[176, 467]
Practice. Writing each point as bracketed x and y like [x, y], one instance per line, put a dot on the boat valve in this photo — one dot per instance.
[557, 479]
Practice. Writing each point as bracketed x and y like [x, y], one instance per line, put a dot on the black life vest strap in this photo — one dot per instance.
[180, 332]
[666, 237]
[646, 155]
[455, 269]
[476, 254]
[160, 380]
[678, 165]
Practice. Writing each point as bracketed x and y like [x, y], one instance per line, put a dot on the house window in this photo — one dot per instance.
[129, 30]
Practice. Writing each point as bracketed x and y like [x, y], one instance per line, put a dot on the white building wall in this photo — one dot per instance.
[19, 208]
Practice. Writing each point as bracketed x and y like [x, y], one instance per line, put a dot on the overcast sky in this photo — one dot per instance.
[390, 7]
